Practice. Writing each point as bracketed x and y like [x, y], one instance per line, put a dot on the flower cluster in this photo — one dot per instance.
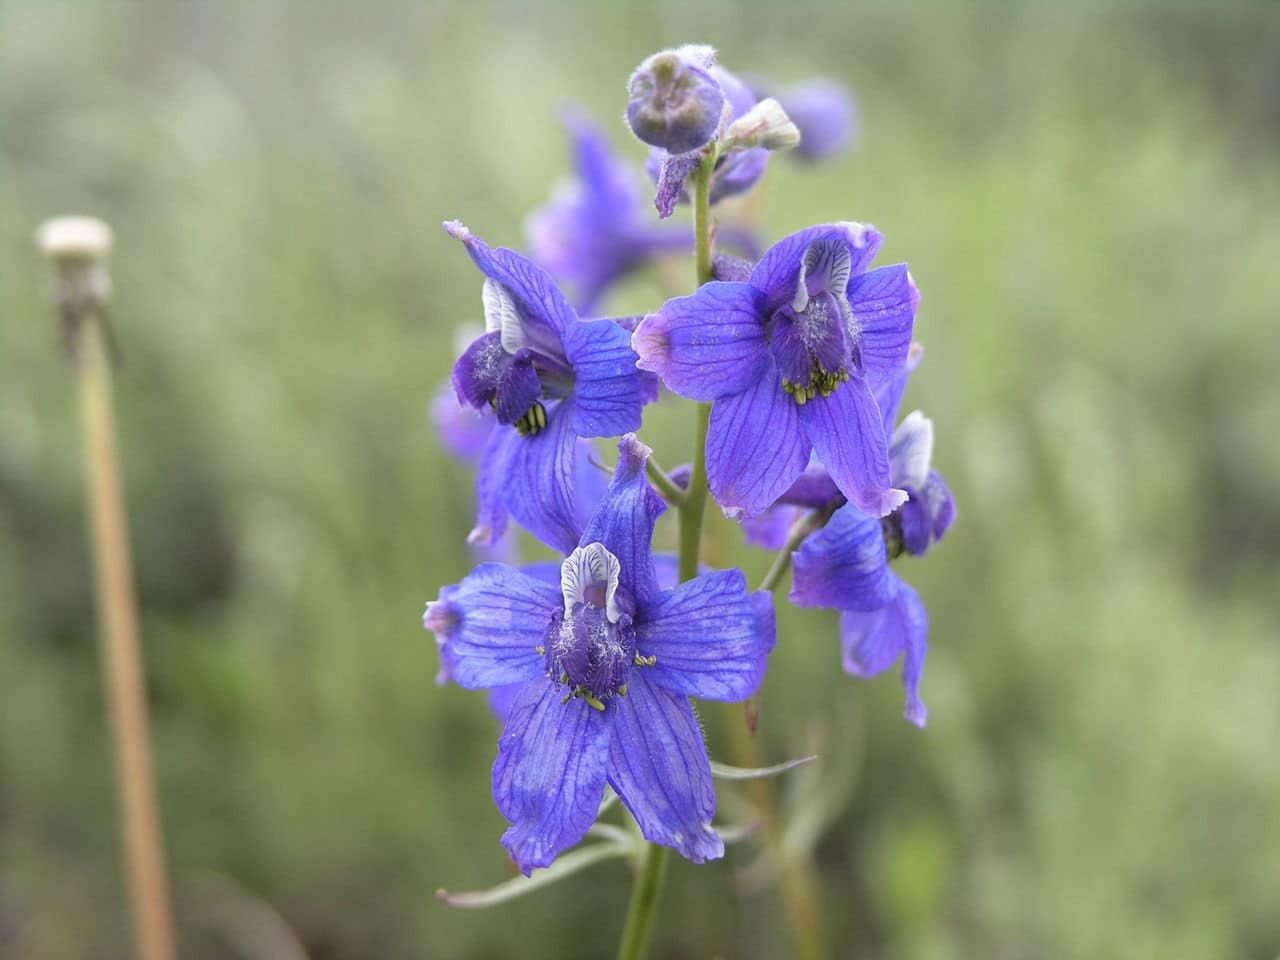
[800, 354]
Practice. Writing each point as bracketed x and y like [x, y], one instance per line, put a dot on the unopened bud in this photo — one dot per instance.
[764, 125]
[675, 103]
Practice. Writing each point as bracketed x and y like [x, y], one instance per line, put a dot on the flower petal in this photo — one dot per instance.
[847, 433]
[883, 303]
[624, 520]
[489, 625]
[538, 485]
[529, 285]
[607, 394]
[910, 450]
[889, 391]
[874, 640]
[670, 173]
[778, 269]
[755, 447]
[710, 635]
[550, 772]
[502, 698]
[491, 479]
[707, 345]
[658, 765]
[844, 565]
[770, 530]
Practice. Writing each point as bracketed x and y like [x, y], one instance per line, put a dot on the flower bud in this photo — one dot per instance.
[675, 103]
[765, 125]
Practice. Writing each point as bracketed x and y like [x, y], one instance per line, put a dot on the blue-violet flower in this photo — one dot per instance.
[790, 359]
[549, 378]
[607, 661]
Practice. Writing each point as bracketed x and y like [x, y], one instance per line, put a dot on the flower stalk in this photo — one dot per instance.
[76, 248]
[645, 895]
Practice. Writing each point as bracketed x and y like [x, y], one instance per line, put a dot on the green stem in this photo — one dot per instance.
[692, 504]
[695, 503]
[644, 903]
[671, 490]
[800, 531]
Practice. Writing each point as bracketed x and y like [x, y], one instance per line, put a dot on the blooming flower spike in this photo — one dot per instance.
[549, 377]
[790, 358]
[607, 661]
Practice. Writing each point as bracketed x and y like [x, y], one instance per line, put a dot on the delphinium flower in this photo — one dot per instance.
[597, 229]
[683, 103]
[790, 359]
[549, 378]
[846, 564]
[607, 661]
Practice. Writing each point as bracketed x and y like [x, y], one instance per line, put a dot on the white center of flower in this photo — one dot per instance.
[590, 575]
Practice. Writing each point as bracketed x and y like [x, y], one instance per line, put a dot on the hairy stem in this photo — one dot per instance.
[122, 656]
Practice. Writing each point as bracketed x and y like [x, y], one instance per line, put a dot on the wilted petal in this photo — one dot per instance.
[710, 635]
[624, 520]
[755, 447]
[607, 394]
[658, 764]
[844, 565]
[707, 345]
[550, 772]
[489, 625]
[874, 640]
[847, 434]
[672, 172]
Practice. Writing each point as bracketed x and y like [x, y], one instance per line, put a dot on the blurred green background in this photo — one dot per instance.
[1090, 202]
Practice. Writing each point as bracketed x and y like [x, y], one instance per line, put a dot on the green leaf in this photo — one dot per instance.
[723, 771]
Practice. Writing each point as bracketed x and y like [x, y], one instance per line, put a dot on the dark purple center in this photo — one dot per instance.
[590, 655]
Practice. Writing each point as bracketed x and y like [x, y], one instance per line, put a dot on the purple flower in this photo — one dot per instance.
[607, 660]
[845, 565]
[595, 230]
[790, 359]
[674, 101]
[825, 113]
[550, 378]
